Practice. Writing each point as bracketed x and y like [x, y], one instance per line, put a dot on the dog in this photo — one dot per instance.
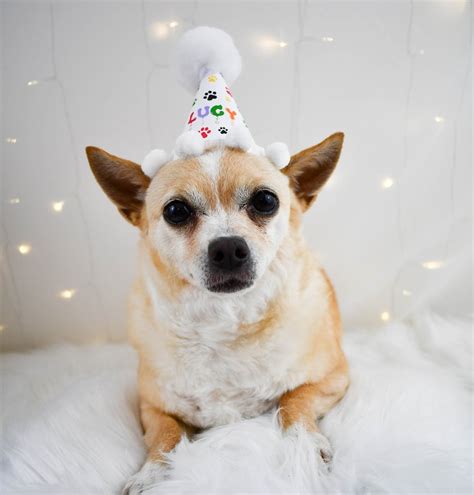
[231, 314]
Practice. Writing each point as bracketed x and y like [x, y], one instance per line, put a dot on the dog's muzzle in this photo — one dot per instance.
[230, 266]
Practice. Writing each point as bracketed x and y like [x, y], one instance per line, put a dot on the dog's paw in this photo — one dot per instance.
[323, 447]
[315, 445]
[148, 477]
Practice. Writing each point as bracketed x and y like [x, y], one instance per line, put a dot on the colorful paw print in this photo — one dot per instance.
[223, 130]
[210, 95]
[204, 131]
[212, 78]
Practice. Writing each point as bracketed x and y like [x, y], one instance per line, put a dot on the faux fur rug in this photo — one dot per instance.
[70, 424]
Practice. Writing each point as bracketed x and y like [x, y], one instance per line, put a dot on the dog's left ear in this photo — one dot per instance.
[311, 168]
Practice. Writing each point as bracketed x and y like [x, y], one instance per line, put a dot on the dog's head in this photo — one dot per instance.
[216, 221]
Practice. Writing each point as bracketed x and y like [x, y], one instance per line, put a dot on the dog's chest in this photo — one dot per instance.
[208, 385]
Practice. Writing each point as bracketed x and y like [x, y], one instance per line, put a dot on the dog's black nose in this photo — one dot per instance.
[228, 253]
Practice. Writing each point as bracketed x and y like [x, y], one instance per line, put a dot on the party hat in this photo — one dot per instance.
[208, 62]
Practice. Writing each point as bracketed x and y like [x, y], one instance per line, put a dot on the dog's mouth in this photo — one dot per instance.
[228, 282]
[231, 285]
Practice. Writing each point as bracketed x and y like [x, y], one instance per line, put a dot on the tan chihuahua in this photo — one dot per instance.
[231, 314]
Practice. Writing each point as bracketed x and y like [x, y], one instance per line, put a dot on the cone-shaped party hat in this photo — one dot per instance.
[208, 62]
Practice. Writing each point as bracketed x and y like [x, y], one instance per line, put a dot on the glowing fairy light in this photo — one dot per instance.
[14, 201]
[34, 82]
[439, 119]
[406, 292]
[57, 206]
[432, 264]
[173, 24]
[67, 293]
[11, 140]
[387, 183]
[24, 248]
[269, 43]
[2, 328]
[385, 316]
[327, 39]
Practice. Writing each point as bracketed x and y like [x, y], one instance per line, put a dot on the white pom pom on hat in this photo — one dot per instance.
[206, 49]
[190, 143]
[240, 138]
[278, 154]
[153, 161]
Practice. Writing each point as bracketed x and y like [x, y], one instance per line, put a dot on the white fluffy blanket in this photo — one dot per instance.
[70, 424]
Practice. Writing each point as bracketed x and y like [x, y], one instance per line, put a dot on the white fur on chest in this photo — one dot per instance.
[212, 385]
[207, 375]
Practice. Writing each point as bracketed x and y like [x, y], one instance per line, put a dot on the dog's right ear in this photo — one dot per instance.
[123, 181]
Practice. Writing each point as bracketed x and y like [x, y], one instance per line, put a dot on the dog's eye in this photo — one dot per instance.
[177, 212]
[264, 202]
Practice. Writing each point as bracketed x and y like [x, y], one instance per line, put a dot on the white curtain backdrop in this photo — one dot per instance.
[394, 225]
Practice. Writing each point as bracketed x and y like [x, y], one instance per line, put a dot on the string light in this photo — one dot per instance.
[406, 292]
[2, 328]
[439, 119]
[173, 24]
[14, 201]
[10, 140]
[24, 248]
[34, 82]
[269, 44]
[385, 316]
[57, 206]
[327, 39]
[67, 293]
[387, 183]
[432, 264]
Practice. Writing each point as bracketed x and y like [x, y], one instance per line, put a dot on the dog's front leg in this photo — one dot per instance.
[303, 406]
[162, 433]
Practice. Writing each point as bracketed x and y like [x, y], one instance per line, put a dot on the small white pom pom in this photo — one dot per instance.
[154, 161]
[240, 138]
[190, 143]
[206, 49]
[278, 154]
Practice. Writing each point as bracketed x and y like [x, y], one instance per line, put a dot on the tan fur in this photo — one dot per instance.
[255, 331]
[298, 325]
[162, 431]
[175, 284]
[241, 171]
[181, 177]
[310, 401]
